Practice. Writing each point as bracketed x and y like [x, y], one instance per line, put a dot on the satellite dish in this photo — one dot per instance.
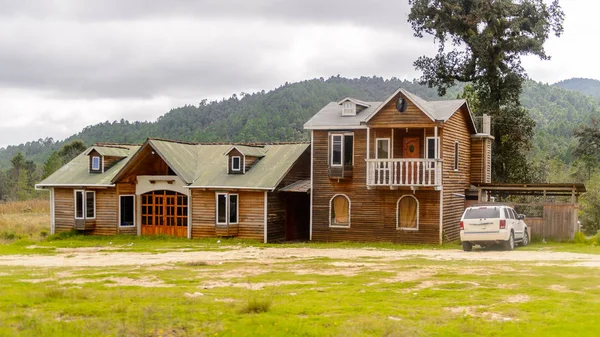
[401, 104]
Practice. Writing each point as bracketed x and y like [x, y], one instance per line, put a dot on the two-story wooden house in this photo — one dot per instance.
[395, 170]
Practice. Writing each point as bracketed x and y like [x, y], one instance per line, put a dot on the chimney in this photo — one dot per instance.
[487, 125]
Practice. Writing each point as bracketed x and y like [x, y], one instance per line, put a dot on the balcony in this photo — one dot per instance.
[399, 172]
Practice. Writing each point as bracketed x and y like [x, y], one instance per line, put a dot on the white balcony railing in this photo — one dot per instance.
[404, 172]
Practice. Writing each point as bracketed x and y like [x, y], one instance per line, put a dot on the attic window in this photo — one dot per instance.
[96, 163]
[236, 163]
[348, 109]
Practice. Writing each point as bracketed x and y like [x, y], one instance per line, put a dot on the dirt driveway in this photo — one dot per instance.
[98, 257]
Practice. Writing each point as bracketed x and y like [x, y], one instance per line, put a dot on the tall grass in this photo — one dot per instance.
[24, 219]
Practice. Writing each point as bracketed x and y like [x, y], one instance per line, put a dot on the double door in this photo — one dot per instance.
[164, 213]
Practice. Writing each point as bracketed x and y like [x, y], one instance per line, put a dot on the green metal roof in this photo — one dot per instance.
[182, 158]
[109, 151]
[75, 172]
[266, 174]
[249, 151]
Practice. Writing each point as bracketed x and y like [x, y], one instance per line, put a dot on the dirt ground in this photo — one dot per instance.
[98, 257]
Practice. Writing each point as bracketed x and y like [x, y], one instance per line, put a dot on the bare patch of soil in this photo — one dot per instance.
[251, 286]
[521, 298]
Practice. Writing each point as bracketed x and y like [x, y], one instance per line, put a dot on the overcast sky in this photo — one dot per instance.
[66, 64]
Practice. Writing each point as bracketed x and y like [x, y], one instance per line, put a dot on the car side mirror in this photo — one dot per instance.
[521, 217]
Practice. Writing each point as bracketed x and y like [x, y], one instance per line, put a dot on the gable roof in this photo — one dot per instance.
[330, 117]
[109, 151]
[75, 172]
[248, 151]
[355, 101]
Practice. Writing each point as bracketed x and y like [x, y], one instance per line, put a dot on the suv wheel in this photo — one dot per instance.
[510, 243]
[525, 241]
[467, 246]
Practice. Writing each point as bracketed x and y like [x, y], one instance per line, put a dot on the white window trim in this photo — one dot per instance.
[377, 147]
[349, 211]
[134, 213]
[239, 168]
[348, 108]
[456, 162]
[217, 209]
[437, 144]
[341, 135]
[237, 205]
[82, 204]
[96, 168]
[85, 203]
[398, 214]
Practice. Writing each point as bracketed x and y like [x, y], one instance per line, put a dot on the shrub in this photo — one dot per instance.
[196, 263]
[256, 305]
[43, 233]
[9, 235]
[64, 235]
[581, 238]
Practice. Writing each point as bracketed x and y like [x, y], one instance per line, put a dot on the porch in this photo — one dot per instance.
[403, 157]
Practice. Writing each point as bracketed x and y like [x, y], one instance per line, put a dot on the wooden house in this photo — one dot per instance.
[395, 170]
[256, 191]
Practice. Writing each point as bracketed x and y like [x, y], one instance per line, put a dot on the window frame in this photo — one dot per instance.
[377, 147]
[120, 221]
[456, 155]
[398, 214]
[332, 225]
[227, 208]
[86, 205]
[332, 136]
[348, 108]
[99, 162]
[82, 204]
[436, 146]
[239, 168]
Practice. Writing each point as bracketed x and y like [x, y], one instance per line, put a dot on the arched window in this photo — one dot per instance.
[407, 213]
[339, 211]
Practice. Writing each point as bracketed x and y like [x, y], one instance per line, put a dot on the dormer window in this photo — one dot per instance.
[348, 109]
[96, 163]
[236, 163]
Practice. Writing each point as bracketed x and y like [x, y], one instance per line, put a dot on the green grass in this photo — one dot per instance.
[436, 298]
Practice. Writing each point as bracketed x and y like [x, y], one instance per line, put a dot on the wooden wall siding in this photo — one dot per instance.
[94, 153]
[276, 217]
[64, 209]
[488, 164]
[389, 116]
[481, 160]
[235, 153]
[300, 170]
[122, 189]
[146, 163]
[455, 182]
[250, 161]
[110, 162]
[399, 135]
[106, 211]
[251, 214]
[373, 212]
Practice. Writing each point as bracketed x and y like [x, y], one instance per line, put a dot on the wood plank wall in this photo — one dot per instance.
[93, 153]
[106, 211]
[64, 209]
[481, 160]
[455, 182]
[388, 116]
[251, 214]
[372, 212]
[123, 189]
[110, 162]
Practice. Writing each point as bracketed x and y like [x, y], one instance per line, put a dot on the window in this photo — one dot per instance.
[96, 163]
[126, 210]
[342, 149]
[348, 109]
[236, 163]
[90, 204]
[383, 148]
[79, 206]
[407, 213]
[339, 211]
[431, 147]
[227, 209]
[455, 156]
[482, 213]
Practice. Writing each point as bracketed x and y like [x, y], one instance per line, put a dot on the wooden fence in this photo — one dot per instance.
[558, 223]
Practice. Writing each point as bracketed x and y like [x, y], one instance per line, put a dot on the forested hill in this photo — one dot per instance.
[586, 86]
[279, 115]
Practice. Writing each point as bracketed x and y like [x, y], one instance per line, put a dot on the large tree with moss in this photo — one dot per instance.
[481, 42]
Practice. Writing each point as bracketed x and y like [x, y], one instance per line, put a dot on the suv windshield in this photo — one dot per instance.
[482, 213]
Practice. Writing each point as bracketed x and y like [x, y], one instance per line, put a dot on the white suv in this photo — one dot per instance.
[492, 224]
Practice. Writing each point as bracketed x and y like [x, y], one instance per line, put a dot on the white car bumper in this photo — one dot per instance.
[500, 235]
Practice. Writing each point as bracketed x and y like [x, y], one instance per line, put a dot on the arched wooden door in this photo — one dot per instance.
[164, 212]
